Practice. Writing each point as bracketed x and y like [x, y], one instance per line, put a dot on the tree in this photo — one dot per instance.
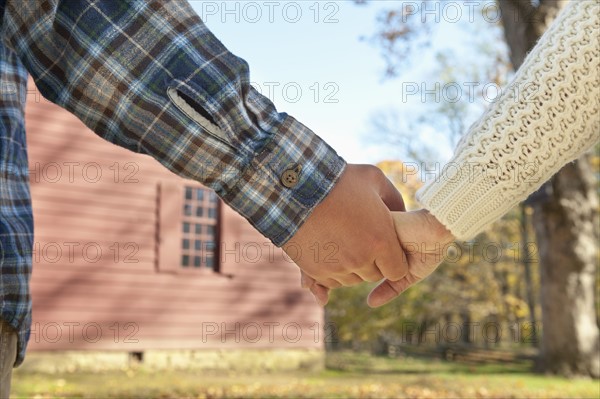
[565, 210]
[566, 226]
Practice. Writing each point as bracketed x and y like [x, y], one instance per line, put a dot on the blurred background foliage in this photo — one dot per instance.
[537, 265]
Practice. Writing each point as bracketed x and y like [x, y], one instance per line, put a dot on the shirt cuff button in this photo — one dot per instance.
[290, 177]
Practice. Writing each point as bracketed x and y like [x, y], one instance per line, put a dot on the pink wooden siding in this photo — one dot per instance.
[107, 256]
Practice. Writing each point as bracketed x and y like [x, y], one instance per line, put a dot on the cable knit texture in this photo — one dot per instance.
[546, 117]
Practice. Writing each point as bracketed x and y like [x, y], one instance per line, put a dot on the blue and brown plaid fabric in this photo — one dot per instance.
[117, 66]
[16, 219]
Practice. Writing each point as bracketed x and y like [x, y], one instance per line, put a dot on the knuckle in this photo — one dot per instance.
[380, 245]
[336, 269]
[331, 283]
[374, 172]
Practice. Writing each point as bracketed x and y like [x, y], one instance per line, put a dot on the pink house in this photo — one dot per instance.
[130, 257]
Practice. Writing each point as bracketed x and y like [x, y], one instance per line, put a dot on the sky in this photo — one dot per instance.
[315, 62]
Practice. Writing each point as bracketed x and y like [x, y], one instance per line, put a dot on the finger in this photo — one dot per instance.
[351, 279]
[393, 263]
[330, 283]
[372, 274]
[388, 290]
[305, 280]
[320, 293]
[391, 197]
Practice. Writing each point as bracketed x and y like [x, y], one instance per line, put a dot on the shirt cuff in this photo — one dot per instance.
[285, 181]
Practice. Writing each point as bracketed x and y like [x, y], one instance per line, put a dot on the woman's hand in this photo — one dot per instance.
[424, 240]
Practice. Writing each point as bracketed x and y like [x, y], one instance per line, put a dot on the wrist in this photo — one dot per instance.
[441, 232]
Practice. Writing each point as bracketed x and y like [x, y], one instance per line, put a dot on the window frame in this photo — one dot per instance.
[172, 198]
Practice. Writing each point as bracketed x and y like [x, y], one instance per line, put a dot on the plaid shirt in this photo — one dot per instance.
[148, 76]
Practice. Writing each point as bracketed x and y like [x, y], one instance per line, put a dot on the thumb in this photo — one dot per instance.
[388, 290]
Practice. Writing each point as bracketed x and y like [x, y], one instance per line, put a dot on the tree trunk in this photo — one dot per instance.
[565, 225]
[525, 220]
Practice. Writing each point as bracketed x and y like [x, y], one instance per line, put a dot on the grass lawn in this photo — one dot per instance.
[348, 375]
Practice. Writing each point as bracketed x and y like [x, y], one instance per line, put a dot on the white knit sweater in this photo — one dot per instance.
[546, 118]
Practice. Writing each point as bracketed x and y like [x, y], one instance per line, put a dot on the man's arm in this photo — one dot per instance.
[149, 76]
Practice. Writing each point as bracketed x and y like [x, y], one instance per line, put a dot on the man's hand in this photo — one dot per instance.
[350, 237]
[423, 238]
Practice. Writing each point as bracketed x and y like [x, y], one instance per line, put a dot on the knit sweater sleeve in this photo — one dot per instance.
[548, 116]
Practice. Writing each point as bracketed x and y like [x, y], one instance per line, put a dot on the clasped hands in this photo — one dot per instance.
[374, 239]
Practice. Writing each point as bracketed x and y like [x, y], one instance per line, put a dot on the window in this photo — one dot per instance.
[200, 229]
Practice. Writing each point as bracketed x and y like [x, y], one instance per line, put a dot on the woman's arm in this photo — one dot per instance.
[548, 116]
[518, 144]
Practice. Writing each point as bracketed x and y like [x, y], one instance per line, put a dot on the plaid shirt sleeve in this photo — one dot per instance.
[149, 76]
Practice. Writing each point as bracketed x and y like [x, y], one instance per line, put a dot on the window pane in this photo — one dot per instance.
[199, 225]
